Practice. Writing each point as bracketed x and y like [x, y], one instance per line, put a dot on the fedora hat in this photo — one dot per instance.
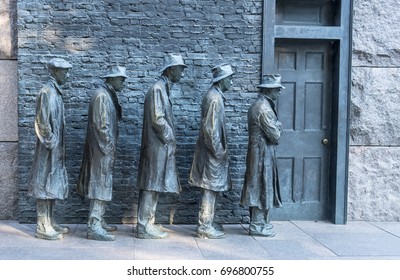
[271, 81]
[58, 63]
[116, 71]
[221, 71]
[172, 59]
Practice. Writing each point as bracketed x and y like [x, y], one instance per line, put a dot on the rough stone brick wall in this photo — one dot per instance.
[93, 34]
[374, 160]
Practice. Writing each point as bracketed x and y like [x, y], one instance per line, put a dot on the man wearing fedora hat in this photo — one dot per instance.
[157, 167]
[261, 185]
[96, 178]
[210, 167]
[49, 180]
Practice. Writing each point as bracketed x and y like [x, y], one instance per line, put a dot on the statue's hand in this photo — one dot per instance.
[279, 126]
[220, 153]
[171, 148]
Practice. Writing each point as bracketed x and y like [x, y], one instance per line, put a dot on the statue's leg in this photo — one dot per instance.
[147, 207]
[44, 229]
[146, 216]
[95, 230]
[267, 220]
[104, 225]
[216, 225]
[205, 228]
[257, 223]
[56, 226]
[256, 219]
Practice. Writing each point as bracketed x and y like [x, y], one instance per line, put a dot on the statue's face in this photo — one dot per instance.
[117, 83]
[176, 73]
[273, 93]
[61, 75]
[226, 83]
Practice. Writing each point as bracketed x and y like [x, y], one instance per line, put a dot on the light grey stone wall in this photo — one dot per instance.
[8, 29]
[8, 110]
[8, 180]
[375, 104]
[376, 33]
[9, 99]
[374, 160]
[374, 183]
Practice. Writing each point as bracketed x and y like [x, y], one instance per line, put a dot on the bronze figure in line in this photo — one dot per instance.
[157, 167]
[261, 189]
[49, 179]
[96, 175]
[210, 167]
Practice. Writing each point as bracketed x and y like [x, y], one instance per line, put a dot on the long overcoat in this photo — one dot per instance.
[261, 184]
[210, 167]
[49, 178]
[157, 166]
[96, 174]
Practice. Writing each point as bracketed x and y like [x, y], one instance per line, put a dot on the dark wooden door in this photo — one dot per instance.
[304, 108]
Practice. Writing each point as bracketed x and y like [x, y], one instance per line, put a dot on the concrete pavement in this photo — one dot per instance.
[294, 240]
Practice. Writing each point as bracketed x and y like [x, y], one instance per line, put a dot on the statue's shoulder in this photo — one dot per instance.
[99, 93]
[46, 91]
[48, 88]
[213, 95]
[158, 86]
[100, 90]
[265, 105]
[260, 106]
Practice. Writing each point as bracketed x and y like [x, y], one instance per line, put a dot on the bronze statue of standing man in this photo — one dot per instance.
[96, 174]
[210, 167]
[49, 180]
[157, 168]
[261, 186]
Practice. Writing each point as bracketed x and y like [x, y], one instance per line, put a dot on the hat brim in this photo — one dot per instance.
[114, 76]
[60, 66]
[217, 79]
[170, 65]
[270, 86]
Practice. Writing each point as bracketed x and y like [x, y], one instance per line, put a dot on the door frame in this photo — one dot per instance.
[341, 36]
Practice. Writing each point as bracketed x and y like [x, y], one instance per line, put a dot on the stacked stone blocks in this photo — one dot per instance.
[137, 34]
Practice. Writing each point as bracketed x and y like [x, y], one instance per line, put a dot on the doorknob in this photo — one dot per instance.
[325, 141]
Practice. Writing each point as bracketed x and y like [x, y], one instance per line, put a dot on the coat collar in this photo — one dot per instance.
[56, 85]
[167, 82]
[114, 98]
[110, 89]
[217, 88]
[271, 102]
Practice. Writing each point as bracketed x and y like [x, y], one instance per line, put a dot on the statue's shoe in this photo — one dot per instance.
[49, 235]
[261, 231]
[218, 226]
[268, 226]
[61, 229]
[210, 233]
[150, 231]
[107, 227]
[100, 235]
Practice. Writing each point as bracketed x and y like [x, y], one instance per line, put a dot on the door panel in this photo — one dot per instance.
[304, 108]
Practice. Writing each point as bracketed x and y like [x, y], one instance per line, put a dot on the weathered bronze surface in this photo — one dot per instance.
[261, 186]
[210, 167]
[49, 179]
[157, 168]
[96, 175]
